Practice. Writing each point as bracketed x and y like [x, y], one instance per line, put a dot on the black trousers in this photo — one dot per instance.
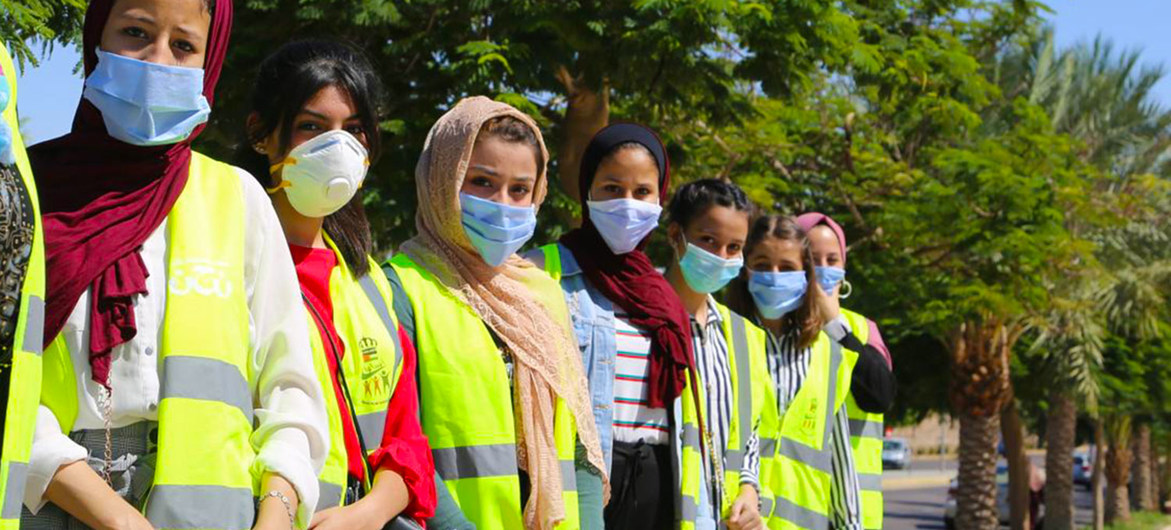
[642, 488]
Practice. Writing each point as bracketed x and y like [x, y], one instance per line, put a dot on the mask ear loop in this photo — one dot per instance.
[849, 288]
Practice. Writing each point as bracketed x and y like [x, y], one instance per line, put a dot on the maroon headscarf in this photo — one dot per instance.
[809, 220]
[630, 280]
[101, 198]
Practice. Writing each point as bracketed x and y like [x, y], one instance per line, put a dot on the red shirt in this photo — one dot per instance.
[404, 448]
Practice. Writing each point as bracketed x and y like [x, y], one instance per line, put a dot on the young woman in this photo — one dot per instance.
[178, 382]
[632, 328]
[872, 387]
[503, 397]
[814, 479]
[314, 125]
[720, 479]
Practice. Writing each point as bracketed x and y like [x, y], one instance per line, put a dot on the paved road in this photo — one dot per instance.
[922, 508]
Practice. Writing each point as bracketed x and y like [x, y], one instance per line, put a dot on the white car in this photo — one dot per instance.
[949, 506]
[896, 453]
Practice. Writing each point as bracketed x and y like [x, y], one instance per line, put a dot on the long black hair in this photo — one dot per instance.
[288, 79]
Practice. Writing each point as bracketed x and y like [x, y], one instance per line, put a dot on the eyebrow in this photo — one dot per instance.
[324, 117]
[485, 169]
[188, 31]
[138, 17]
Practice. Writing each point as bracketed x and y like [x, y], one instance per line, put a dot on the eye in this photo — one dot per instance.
[356, 130]
[708, 239]
[519, 189]
[642, 192]
[134, 32]
[612, 188]
[308, 126]
[184, 46]
[734, 248]
[482, 182]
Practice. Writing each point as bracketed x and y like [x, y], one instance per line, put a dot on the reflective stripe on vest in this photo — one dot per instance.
[203, 376]
[24, 374]
[372, 365]
[866, 435]
[474, 446]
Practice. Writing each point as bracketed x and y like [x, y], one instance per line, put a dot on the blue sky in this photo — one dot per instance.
[48, 95]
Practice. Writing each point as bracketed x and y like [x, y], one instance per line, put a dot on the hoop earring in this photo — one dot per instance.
[846, 284]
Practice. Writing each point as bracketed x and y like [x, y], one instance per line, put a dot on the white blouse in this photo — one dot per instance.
[291, 437]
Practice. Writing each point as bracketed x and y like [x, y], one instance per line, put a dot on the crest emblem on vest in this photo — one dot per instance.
[809, 417]
[375, 379]
[202, 277]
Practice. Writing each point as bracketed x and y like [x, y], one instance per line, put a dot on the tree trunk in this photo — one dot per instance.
[1142, 496]
[1118, 469]
[1060, 434]
[588, 111]
[1012, 430]
[978, 389]
[976, 498]
[1099, 474]
[1157, 488]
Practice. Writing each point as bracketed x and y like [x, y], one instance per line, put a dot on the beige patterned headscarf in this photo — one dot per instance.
[522, 304]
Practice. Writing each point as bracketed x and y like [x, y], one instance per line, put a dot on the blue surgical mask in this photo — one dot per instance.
[496, 230]
[7, 157]
[777, 293]
[706, 272]
[624, 223]
[829, 278]
[144, 103]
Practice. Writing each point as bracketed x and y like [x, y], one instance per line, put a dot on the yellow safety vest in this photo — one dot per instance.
[803, 470]
[204, 475]
[20, 411]
[371, 364]
[866, 434]
[466, 406]
[752, 400]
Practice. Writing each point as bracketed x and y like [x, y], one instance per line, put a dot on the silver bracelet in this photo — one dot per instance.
[288, 506]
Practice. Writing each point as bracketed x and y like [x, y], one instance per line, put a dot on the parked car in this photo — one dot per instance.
[949, 505]
[1083, 469]
[896, 453]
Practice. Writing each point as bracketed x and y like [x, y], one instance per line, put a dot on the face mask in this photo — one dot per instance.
[7, 157]
[624, 223]
[777, 293]
[706, 272]
[146, 103]
[829, 278]
[322, 175]
[496, 230]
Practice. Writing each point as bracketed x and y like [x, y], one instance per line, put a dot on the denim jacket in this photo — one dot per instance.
[593, 322]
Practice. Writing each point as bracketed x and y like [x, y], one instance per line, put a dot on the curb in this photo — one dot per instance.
[910, 483]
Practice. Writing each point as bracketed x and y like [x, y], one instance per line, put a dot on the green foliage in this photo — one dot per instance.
[48, 22]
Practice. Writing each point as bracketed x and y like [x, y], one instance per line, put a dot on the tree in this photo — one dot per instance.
[47, 21]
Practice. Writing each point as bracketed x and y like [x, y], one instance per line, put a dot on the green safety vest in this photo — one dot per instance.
[371, 363]
[866, 434]
[206, 474]
[803, 470]
[467, 406]
[20, 414]
[752, 397]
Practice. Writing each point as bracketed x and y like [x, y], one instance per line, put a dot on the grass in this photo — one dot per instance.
[1143, 521]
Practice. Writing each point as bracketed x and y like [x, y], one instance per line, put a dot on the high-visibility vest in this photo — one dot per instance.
[752, 405]
[866, 433]
[466, 406]
[371, 364]
[204, 475]
[803, 470]
[20, 412]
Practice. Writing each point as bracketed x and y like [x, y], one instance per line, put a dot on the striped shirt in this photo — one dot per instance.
[789, 366]
[633, 419]
[711, 359]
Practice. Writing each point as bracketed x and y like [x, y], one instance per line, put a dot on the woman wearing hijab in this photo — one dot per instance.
[178, 382]
[872, 386]
[631, 326]
[503, 398]
[722, 424]
[314, 127]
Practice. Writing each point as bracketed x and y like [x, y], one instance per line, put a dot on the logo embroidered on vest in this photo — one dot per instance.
[809, 418]
[375, 379]
[202, 277]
